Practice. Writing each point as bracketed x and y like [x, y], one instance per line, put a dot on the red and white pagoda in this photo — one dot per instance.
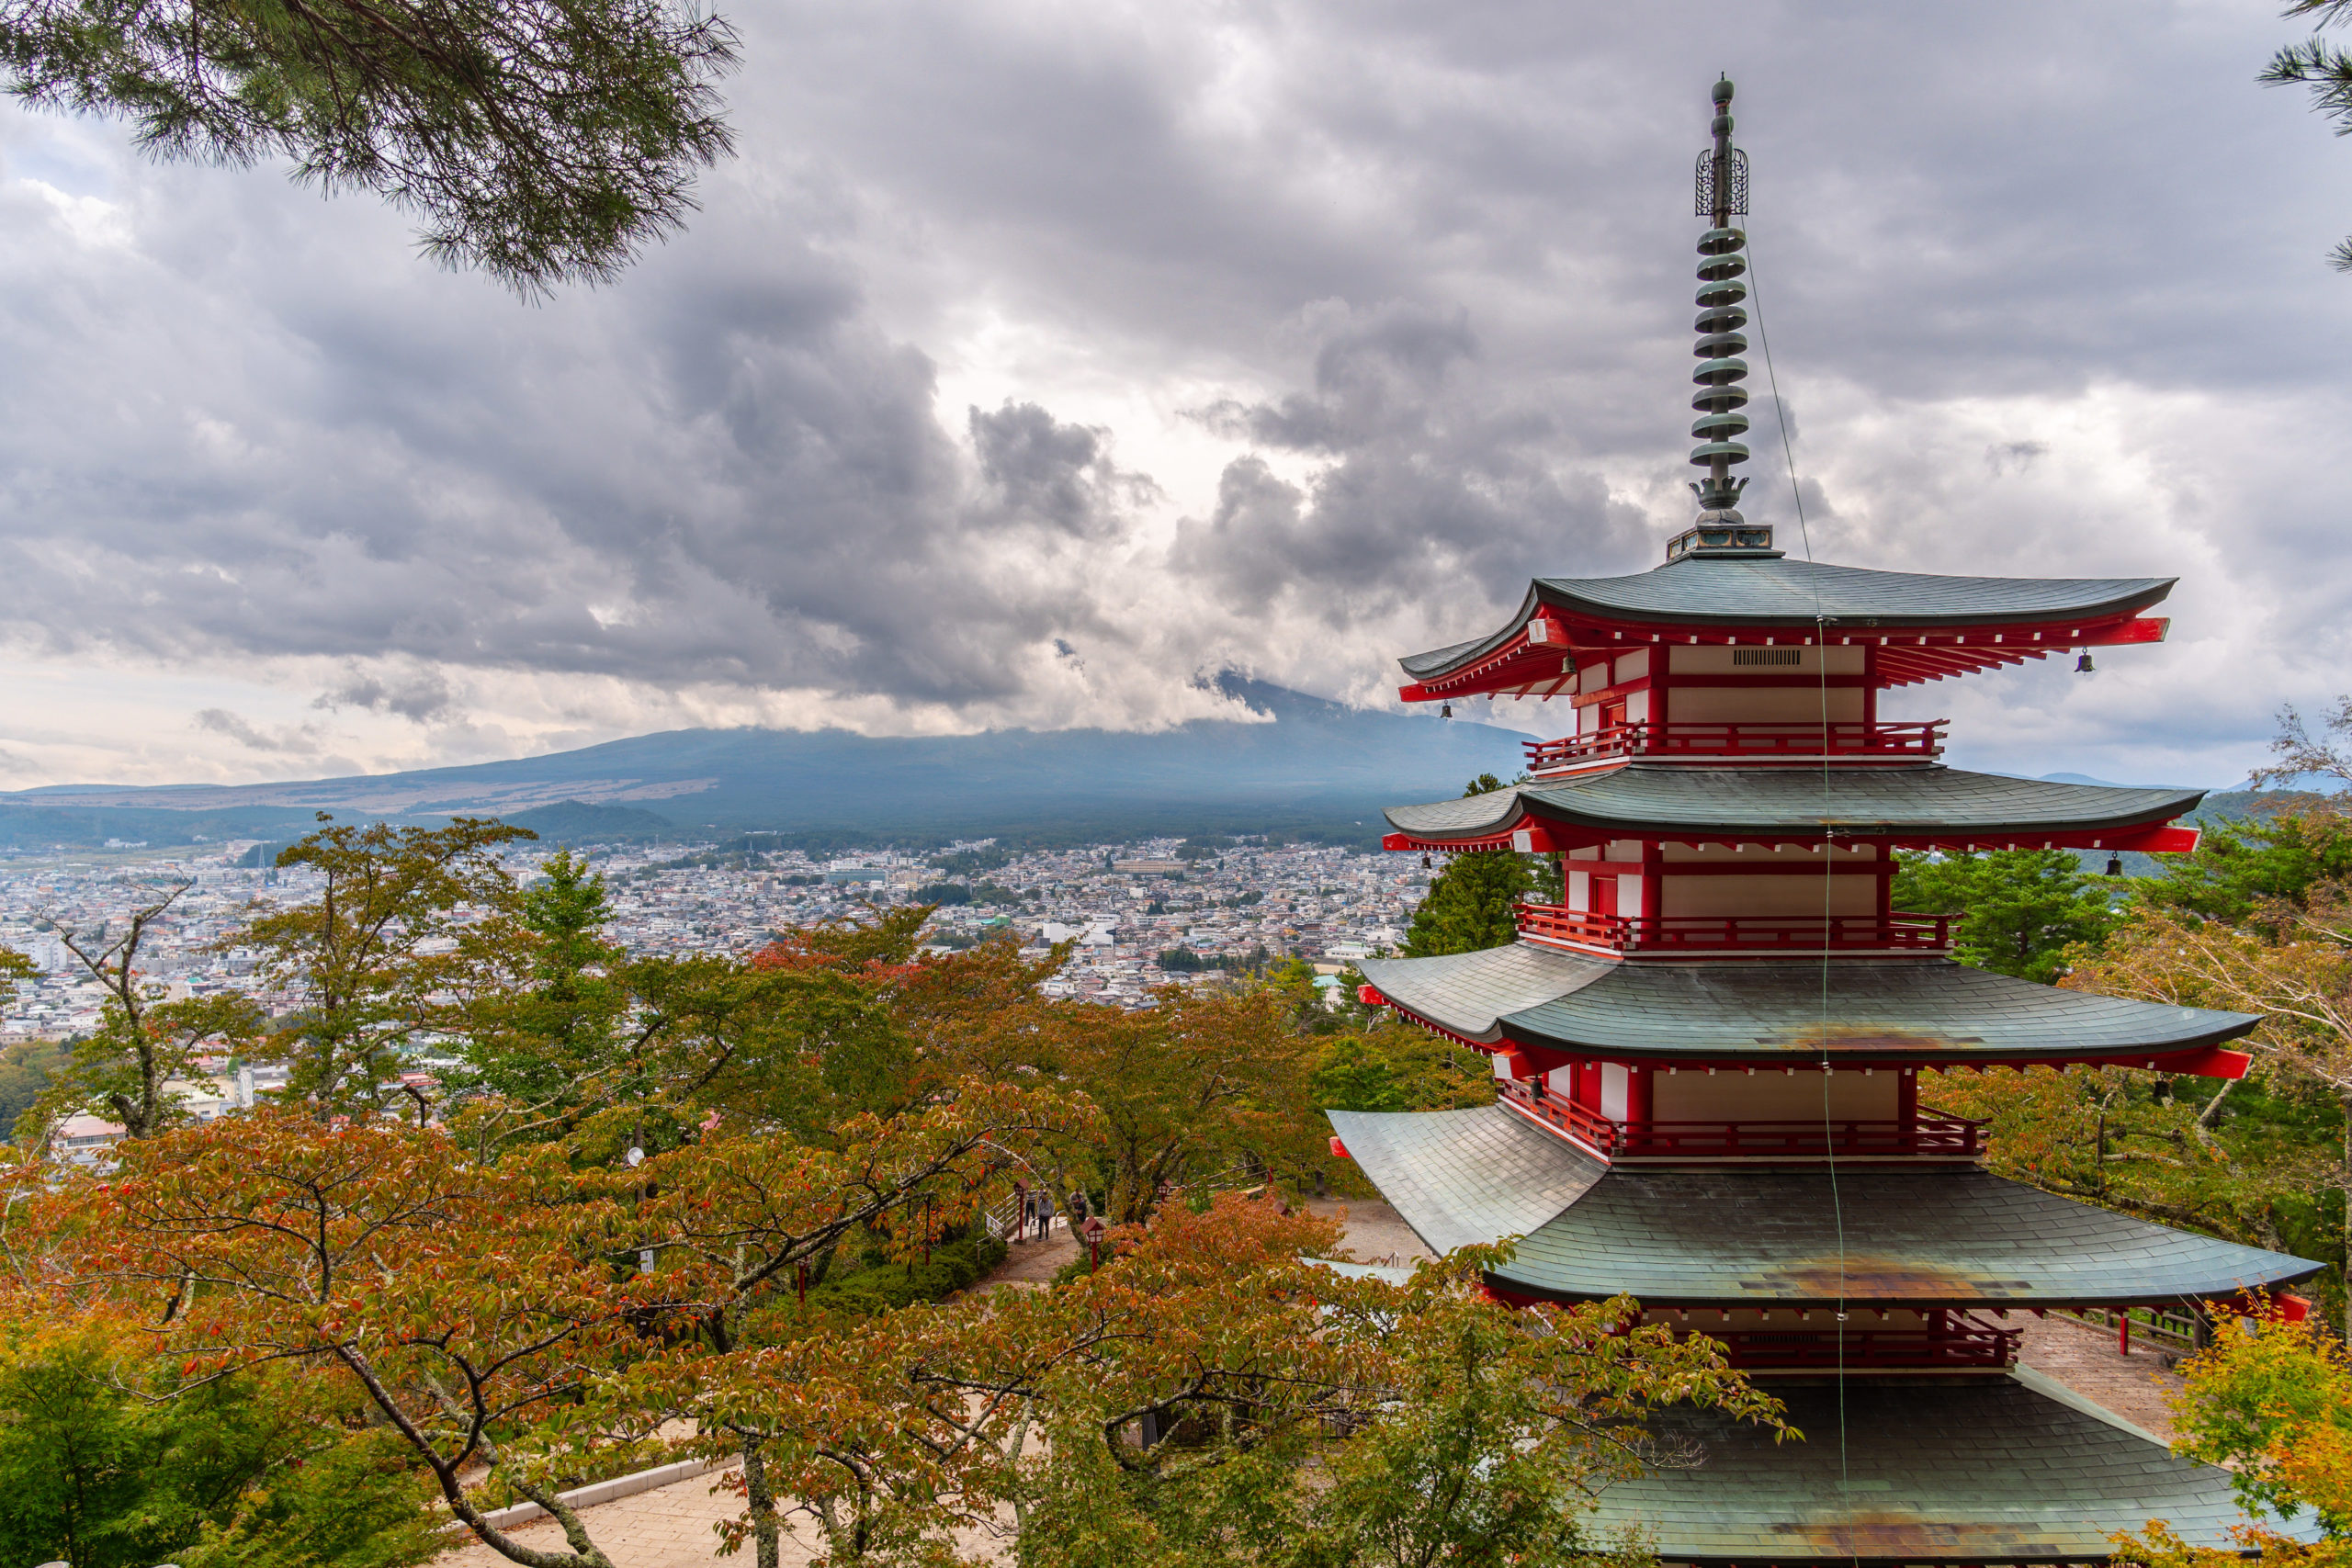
[1715, 1059]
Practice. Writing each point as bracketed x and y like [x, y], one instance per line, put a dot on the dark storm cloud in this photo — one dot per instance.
[1434, 265]
[1427, 481]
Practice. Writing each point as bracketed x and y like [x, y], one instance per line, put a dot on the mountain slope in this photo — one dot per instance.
[1305, 764]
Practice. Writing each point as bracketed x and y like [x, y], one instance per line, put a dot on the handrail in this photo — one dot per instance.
[1733, 934]
[1942, 1137]
[1963, 1340]
[1645, 739]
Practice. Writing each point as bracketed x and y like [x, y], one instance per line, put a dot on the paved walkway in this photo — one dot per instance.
[672, 1528]
[2138, 1388]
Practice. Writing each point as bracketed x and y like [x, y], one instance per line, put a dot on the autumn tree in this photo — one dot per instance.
[1208, 1396]
[469, 1306]
[2272, 1400]
[404, 928]
[124, 1069]
[1209, 1081]
[2290, 963]
[542, 142]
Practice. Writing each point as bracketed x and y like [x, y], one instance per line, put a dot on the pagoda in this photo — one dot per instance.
[1714, 1059]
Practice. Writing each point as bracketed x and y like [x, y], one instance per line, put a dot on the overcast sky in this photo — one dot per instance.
[1034, 360]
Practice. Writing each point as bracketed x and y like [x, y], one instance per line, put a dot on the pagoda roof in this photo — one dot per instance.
[1764, 591]
[1926, 1011]
[1760, 1236]
[1919, 1470]
[1923, 802]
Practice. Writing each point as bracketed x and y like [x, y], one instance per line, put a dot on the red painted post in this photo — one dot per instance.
[2123, 1331]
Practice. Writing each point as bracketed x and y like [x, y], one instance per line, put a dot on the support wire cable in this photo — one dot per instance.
[1828, 871]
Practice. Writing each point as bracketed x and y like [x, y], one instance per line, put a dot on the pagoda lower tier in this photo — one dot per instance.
[1924, 1443]
[2014, 1469]
[1759, 1239]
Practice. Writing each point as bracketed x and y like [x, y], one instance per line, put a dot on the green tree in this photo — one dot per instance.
[2326, 70]
[548, 1041]
[2282, 853]
[1472, 903]
[382, 960]
[252, 1473]
[1395, 1066]
[544, 142]
[2021, 909]
[27, 1069]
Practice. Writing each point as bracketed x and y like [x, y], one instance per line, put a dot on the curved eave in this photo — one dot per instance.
[1951, 1237]
[1771, 1012]
[1854, 606]
[1850, 598]
[1900, 805]
[1760, 1237]
[2010, 1470]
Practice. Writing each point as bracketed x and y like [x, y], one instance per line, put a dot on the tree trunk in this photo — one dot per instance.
[2344, 1185]
[764, 1531]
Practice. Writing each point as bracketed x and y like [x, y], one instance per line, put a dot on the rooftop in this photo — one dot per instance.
[1759, 1236]
[2010, 1470]
[1927, 1011]
[1912, 804]
[1762, 591]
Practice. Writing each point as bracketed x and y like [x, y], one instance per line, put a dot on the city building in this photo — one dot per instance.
[1714, 1060]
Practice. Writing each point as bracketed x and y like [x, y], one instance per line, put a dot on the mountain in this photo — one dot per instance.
[1306, 765]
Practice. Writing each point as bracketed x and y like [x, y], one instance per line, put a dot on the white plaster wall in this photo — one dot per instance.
[1772, 1096]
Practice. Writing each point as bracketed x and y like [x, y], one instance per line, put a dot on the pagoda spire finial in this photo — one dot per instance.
[1721, 196]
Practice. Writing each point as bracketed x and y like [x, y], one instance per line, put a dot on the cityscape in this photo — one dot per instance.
[1208, 907]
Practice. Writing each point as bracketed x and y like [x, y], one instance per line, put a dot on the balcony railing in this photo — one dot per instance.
[1762, 741]
[1738, 933]
[1963, 1342]
[1930, 1136]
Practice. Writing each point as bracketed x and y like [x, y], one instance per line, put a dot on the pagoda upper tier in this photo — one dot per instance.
[1902, 628]
[1545, 1007]
[1863, 809]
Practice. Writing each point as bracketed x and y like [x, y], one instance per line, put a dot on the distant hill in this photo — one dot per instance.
[1306, 765]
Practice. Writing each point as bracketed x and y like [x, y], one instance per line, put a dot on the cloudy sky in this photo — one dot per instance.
[1035, 358]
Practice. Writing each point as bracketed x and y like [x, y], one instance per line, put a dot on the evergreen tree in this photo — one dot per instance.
[2021, 909]
[1471, 903]
[542, 143]
[2325, 69]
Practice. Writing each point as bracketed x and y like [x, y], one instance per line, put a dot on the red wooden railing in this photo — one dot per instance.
[1963, 1340]
[1737, 933]
[1941, 1137]
[1766, 740]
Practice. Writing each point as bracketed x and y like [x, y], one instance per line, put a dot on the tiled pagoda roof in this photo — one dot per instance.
[1905, 802]
[2008, 1470]
[1758, 1236]
[1764, 591]
[1927, 1011]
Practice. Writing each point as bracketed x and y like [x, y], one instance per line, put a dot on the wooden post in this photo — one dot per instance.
[2123, 1331]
